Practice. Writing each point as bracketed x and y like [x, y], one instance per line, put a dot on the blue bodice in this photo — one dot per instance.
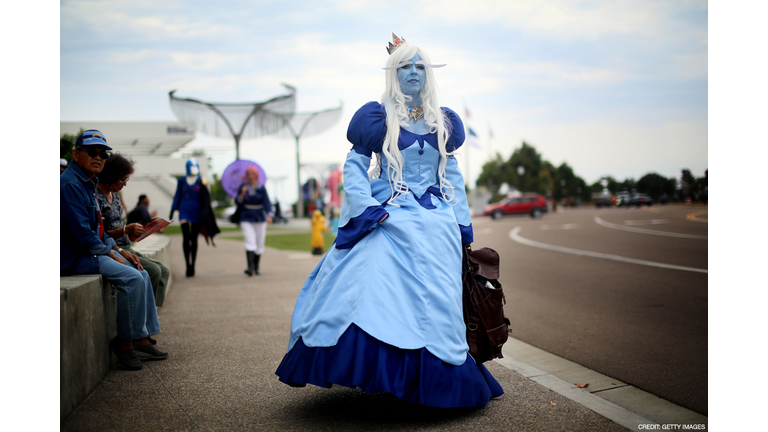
[365, 200]
[421, 159]
[187, 200]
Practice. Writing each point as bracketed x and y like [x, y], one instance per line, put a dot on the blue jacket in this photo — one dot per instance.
[79, 242]
[255, 204]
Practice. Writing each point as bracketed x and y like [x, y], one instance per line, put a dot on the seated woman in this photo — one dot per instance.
[117, 170]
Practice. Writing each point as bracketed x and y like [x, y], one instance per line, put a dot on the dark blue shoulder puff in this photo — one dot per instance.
[368, 127]
[456, 129]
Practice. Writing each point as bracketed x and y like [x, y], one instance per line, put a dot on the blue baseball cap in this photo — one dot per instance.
[92, 137]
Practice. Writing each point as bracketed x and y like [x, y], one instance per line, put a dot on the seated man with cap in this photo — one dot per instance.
[86, 248]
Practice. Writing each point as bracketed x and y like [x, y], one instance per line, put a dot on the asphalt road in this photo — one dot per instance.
[613, 309]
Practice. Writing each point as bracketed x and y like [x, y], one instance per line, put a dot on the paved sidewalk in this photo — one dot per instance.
[226, 333]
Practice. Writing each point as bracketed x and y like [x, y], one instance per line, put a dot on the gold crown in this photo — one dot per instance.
[397, 42]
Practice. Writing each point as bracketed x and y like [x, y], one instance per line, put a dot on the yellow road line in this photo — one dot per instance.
[694, 216]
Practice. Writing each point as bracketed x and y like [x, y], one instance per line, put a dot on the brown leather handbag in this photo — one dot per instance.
[483, 300]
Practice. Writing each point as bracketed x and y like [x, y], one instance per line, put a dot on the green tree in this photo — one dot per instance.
[628, 185]
[67, 144]
[546, 179]
[610, 183]
[528, 161]
[538, 175]
[495, 173]
[689, 185]
[218, 193]
[613, 185]
[654, 185]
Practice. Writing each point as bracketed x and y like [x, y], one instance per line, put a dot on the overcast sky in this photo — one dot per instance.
[610, 87]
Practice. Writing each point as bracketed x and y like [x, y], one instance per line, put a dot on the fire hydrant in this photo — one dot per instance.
[318, 228]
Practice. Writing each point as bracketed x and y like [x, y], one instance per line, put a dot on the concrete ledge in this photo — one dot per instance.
[87, 324]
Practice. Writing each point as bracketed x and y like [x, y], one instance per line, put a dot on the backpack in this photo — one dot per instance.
[483, 303]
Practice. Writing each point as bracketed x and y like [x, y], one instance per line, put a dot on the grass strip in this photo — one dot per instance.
[296, 241]
[290, 241]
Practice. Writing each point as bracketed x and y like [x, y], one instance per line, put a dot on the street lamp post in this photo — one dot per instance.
[242, 120]
[304, 125]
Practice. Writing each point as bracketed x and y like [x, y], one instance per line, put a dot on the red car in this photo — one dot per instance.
[529, 203]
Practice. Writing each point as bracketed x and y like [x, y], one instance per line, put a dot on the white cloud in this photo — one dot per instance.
[559, 19]
[560, 74]
[118, 21]
[207, 61]
[690, 66]
[133, 56]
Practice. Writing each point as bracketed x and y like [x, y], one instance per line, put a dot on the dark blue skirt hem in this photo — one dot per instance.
[415, 376]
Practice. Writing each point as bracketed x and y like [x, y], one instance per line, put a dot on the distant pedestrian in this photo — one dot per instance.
[193, 201]
[140, 214]
[255, 212]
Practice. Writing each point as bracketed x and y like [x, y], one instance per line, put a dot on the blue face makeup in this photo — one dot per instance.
[411, 77]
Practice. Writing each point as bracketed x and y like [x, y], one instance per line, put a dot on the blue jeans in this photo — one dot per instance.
[136, 311]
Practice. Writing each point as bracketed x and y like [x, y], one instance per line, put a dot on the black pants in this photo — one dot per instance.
[190, 231]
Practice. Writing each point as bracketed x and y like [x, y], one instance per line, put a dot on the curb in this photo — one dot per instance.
[621, 403]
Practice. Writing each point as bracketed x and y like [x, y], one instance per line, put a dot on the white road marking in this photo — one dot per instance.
[646, 222]
[559, 227]
[516, 237]
[646, 231]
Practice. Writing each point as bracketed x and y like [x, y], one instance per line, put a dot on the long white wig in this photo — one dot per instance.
[394, 102]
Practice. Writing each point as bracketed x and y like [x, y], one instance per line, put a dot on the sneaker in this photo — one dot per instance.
[128, 359]
[149, 352]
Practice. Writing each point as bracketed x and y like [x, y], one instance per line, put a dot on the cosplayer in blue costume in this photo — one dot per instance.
[255, 212]
[193, 201]
[382, 311]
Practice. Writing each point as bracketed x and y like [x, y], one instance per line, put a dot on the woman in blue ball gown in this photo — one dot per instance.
[382, 310]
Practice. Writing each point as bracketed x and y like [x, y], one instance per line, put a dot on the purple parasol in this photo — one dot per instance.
[234, 176]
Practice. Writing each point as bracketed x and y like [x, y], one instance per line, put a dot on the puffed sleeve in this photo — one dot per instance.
[455, 178]
[367, 128]
[456, 139]
[361, 210]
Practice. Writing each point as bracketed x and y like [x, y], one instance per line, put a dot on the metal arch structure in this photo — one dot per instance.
[305, 125]
[255, 119]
